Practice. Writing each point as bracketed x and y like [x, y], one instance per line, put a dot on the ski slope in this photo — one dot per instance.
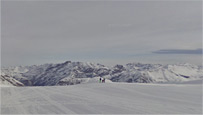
[103, 98]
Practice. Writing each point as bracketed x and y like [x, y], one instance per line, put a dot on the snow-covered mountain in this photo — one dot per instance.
[67, 73]
[70, 73]
[156, 73]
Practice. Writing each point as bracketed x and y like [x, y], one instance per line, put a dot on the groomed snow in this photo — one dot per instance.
[103, 98]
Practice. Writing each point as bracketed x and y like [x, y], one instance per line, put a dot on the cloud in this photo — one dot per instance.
[43, 31]
[179, 51]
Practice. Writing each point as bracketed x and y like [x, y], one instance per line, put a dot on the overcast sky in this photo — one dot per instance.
[38, 32]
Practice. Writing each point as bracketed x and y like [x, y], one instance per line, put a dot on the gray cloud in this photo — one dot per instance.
[39, 31]
[179, 51]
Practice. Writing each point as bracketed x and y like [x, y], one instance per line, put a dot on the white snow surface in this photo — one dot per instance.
[103, 98]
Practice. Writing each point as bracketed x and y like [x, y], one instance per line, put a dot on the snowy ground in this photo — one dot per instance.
[103, 98]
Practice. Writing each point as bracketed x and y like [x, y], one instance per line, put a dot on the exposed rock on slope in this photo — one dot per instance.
[6, 80]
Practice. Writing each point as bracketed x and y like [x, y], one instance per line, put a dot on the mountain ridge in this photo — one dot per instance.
[71, 73]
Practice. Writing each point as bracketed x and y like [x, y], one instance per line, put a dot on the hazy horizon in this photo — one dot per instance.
[106, 32]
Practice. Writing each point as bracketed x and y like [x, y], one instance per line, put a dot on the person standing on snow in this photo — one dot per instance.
[103, 80]
[100, 80]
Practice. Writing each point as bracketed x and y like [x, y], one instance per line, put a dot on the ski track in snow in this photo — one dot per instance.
[103, 98]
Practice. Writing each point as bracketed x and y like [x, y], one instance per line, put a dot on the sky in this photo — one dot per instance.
[106, 32]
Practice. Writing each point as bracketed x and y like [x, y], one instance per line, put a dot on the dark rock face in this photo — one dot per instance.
[185, 76]
[102, 72]
[116, 78]
[131, 78]
[118, 69]
[26, 82]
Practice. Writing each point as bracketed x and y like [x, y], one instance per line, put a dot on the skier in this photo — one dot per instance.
[103, 81]
[100, 80]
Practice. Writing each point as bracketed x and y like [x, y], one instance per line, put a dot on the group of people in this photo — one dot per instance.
[101, 80]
